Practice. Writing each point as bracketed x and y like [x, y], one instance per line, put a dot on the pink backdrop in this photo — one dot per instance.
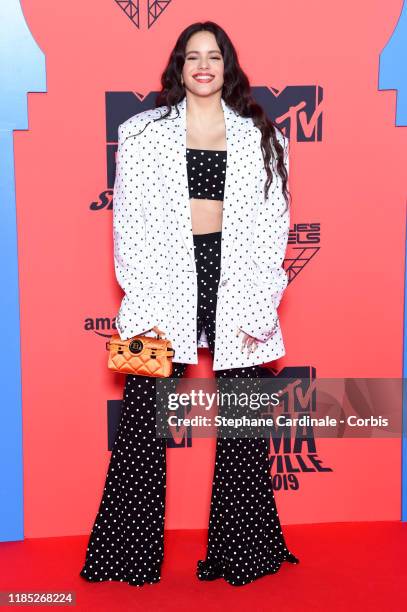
[342, 314]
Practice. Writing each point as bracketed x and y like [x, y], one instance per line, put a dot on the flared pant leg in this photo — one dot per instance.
[245, 539]
[127, 539]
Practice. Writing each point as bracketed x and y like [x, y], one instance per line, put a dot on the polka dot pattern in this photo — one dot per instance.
[206, 173]
[245, 539]
[153, 238]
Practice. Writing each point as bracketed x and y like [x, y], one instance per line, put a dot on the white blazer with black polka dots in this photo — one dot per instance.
[153, 241]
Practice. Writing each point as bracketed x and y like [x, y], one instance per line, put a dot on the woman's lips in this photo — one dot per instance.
[203, 78]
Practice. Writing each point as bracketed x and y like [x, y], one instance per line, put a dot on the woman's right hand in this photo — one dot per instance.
[158, 331]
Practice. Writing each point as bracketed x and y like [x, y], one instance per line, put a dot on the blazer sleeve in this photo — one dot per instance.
[137, 313]
[265, 289]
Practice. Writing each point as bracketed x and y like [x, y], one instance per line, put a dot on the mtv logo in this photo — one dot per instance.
[297, 109]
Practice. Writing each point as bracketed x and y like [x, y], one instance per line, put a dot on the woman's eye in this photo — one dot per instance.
[212, 58]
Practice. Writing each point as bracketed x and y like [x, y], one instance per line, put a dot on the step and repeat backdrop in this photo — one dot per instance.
[329, 75]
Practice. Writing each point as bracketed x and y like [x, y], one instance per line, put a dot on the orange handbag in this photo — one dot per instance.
[140, 355]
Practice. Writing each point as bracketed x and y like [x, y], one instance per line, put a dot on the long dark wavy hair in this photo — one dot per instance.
[236, 93]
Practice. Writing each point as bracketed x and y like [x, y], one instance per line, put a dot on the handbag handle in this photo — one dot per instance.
[108, 344]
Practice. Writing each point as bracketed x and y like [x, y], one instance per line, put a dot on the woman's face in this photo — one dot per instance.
[203, 68]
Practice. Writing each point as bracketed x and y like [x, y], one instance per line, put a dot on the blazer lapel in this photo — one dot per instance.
[176, 124]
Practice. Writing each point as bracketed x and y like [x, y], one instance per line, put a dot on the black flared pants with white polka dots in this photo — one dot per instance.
[245, 539]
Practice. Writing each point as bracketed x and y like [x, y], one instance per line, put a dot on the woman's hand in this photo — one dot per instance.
[248, 342]
[158, 331]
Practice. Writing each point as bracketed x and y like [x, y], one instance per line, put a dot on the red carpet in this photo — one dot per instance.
[343, 566]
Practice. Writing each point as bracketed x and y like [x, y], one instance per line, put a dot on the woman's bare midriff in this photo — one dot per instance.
[206, 215]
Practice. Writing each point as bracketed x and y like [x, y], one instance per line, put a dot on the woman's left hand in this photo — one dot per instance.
[248, 342]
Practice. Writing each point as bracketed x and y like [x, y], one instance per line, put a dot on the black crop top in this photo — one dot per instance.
[206, 171]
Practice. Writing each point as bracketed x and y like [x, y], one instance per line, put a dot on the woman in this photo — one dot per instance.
[193, 174]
